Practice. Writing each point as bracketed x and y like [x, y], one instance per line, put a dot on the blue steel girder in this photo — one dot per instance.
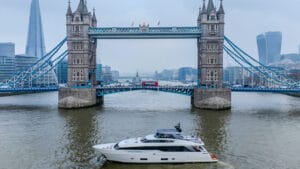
[32, 89]
[268, 90]
[187, 91]
[145, 32]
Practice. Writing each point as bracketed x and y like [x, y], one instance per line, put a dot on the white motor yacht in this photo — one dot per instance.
[166, 146]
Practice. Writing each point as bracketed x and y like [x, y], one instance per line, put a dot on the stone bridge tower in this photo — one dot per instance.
[80, 91]
[210, 93]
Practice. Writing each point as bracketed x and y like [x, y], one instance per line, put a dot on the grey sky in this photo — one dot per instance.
[244, 20]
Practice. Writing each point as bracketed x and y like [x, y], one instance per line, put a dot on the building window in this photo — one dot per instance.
[76, 28]
[77, 45]
[213, 17]
[216, 76]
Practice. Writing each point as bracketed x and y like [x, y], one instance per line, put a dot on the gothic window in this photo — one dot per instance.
[208, 76]
[77, 46]
[76, 28]
[212, 47]
[74, 76]
[212, 17]
[78, 76]
[77, 19]
[212, 27]
[216, 76]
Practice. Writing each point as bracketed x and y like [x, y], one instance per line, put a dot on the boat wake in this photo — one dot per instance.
[225, 165]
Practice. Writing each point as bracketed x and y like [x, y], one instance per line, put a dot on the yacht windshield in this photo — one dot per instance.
[156, 141]
[169, 135]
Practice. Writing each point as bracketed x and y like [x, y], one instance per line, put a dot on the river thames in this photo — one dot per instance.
[261, 130]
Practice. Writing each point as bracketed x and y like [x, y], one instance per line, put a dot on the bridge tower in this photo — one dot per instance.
[210, 93]
[80, 91]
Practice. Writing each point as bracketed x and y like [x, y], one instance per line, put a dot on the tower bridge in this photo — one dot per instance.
[81, 40]
[82, 35]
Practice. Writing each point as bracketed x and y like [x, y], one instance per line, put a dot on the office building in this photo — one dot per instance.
[35, 38]
[234, 75]
[7, 60]
[62, 72]
[106, 74]
[269, 47]
[99, 73]
[262, 48]
[115, 75]
[187, 74]
[294, 57]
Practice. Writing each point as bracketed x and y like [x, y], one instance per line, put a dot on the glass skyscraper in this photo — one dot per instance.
[7, 60]
[269, 47]
[99, 73]
[35, 39]
[62, 72]
[262, 48]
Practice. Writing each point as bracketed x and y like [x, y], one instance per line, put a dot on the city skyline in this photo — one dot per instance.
[138, 55]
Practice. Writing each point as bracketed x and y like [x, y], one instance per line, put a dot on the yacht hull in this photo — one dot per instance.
[151, 156]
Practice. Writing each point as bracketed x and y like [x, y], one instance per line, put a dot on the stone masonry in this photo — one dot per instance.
[81, 60]
[210, 93]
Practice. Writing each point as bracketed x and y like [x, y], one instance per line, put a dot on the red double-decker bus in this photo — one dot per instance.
[150, 83]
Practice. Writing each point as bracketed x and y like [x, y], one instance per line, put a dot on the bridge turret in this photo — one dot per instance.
[81, 91]
[221, 12]
[210, 48]
[202, 14]
[69, 14]
[94, 19]
[81, 48]
[210, 60]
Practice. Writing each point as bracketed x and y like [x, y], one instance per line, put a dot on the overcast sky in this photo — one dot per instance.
[245, 19]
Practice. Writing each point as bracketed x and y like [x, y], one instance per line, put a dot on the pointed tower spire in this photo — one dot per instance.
[94, 18]
[82, 8]
[204, 7]
[221, 9]
[210, 6]
[69, 12]
[35, 40]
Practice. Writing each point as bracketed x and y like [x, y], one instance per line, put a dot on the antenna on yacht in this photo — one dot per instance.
[178, 128]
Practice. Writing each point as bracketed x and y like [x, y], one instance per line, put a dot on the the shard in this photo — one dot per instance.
[35, 40]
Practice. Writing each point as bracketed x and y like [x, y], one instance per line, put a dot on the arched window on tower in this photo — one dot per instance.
[216, 75]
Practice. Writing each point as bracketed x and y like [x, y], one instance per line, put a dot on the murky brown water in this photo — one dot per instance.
[261, 131]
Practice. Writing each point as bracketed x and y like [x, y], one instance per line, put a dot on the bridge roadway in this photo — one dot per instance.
[183, 90]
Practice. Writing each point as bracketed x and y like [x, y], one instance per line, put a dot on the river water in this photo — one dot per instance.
[261, 130]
